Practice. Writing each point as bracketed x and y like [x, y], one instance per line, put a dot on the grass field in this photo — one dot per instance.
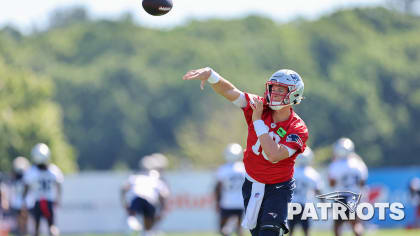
[396, 232]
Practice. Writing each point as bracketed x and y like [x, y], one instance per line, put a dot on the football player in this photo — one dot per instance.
[276, 135]
[414, 188]
[17, 186]
[146, 194]
[44, 182]
[347, 172]
[228, 190]
[308, 184]
[4, 205]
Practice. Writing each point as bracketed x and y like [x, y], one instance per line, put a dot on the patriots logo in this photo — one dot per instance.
[346, 198]
[294, 77]
[294, 138]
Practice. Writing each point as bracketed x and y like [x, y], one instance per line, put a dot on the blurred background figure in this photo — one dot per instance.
[308, 184]
[145, 194]
[228, 190]
[347, 172]
[414, 188]
[43, 181]
[4, 206]
[17, 186]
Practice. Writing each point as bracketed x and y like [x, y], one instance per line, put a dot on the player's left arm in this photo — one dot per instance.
[26, 189]
[218, 194]
[59, 193]
[363, 172]
[4, 204]
[164, 194]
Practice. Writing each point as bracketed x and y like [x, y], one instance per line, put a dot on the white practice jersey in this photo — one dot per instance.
[147, 187]
[231, 176]
[348, 173]
[43, 183]
[16, 193]
[307, 182]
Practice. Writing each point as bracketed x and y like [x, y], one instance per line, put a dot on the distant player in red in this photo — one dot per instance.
[276, 135]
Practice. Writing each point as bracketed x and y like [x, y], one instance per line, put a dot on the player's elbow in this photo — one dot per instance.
[276, 156]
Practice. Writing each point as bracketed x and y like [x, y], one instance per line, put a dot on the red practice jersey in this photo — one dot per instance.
[291, 133]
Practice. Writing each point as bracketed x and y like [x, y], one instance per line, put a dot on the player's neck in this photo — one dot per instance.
[282, 114]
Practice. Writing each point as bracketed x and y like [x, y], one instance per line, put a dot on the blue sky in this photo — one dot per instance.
[27, 13]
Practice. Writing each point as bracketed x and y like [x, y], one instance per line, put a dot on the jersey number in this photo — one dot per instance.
[44, 185]
[257, 146]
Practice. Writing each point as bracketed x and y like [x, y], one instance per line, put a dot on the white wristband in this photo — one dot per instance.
[260, 128]
[214, 77]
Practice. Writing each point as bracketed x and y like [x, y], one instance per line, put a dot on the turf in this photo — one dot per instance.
[396, 232]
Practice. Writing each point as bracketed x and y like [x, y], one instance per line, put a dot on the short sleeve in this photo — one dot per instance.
[296, 140]
[363, 170]
[318, 184]
[332, 171]
[247, 109]
[296, 136]
[163, 189]
[57, 173]
[219, 174]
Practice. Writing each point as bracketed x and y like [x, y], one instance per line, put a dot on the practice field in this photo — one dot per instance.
[397, 232]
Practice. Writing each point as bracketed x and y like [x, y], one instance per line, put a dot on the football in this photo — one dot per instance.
[157, 7]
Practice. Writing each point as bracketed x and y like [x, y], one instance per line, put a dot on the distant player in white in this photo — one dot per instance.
[43, 180]
[228, 190]
[308, 184]
[145, 194]
[414, 188]
[17, 186]
[4, 203]
[347, 172]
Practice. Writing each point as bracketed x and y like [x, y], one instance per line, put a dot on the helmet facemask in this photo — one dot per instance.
[276, 99]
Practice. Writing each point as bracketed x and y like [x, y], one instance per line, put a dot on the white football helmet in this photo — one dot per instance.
[155, 161]
[285, 78]
[233, 152]
[20, 164]
[305, 158]
[40, 154]
[343, 147]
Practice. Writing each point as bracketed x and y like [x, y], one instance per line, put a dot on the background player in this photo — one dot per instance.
[347, 172]
[43, 180]
[228, 191]
[276, 135]
[17, 186]
[308, 184]
[4, 206]
[414, 188]
[145, 194]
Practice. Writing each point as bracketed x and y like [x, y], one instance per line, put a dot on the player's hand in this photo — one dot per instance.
[200, 74]
[257, 107]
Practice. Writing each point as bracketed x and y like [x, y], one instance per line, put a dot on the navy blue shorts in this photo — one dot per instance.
[143, 207]
[297, 220]
[43, 209]
[226, 213]
[274, 206]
